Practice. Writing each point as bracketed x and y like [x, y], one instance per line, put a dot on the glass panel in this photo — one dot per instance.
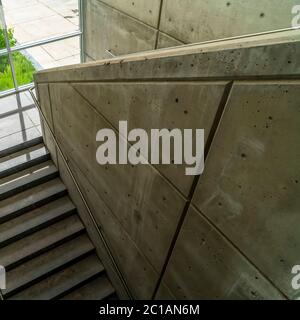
[18, 119]
[32, 20]
[6, 80]
[56, 54]
[10, 103]
[24, 67]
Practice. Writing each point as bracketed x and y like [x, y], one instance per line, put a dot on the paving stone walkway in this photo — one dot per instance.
[39, 19]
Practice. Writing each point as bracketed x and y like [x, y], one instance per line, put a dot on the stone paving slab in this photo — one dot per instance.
[34, 20]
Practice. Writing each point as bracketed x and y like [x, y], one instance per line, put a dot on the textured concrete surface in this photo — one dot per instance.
[109, 29]
[204, 265]
[143, 10]
[242, 217]
[165, 41]
[146, 205]
[251, 184]
[200, 20]
[93, 232]
[137, 270]
[45, 101]
[250, 57]
[178, 21]
[158, 105]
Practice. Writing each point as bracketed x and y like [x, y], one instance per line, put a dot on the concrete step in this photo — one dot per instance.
[40, 242]
[28, 178]
[47, 264]
[97, 289]
[30, 199]
[35, 220]
[44, 246]
[23, 159]
[17, 142]
[64, 281]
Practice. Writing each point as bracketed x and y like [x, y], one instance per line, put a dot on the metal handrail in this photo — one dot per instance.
[116, 268]
[37, 43]
[19, 47]
[10, 92]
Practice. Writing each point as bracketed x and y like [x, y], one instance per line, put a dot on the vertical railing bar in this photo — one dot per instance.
[6, 38]
[12, 68]
[81, 26]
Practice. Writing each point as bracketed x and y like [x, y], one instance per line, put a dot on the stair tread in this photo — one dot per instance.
[51, 261]
[23, 159]
[23, 249]
[19, 141]
[18, 182]
[43, 244]
[30, 221]
[97, 289]
[63, 281]
[31, 198]
[27, 172]
[22, 152]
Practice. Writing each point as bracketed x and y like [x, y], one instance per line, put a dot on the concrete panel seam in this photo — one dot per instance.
[213, 131]
[128, 15]
[50, 103]
[158, 23]
[239, 251]
[164, 33]
[89, 56]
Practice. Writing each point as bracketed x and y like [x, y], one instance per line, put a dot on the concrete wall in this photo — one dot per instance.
[234, 236]
[126, 26]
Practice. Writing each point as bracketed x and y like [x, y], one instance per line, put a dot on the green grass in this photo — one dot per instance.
[23, 67]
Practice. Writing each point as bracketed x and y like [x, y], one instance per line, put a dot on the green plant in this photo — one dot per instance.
[24, 68]
[12, 40]
[24, 72]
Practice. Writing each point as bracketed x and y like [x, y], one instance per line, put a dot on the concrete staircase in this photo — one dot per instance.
[44, 246]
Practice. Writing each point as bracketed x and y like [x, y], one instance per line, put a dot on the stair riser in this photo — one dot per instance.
[33, 206]
[25, 165]
[37, 228]
[29, 185]
[20, 147]
[12, 292]
[45, 249]
[44, 246]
